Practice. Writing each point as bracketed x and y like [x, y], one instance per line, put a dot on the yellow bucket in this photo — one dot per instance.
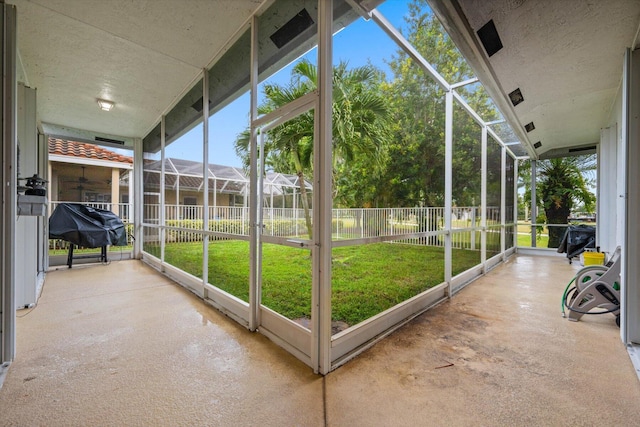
[593, 258]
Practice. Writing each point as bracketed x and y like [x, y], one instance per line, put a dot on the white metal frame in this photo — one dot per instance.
[316, 346]
[8, 155]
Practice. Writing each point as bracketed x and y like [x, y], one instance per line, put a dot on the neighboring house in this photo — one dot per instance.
[184, 185]
[87, 173]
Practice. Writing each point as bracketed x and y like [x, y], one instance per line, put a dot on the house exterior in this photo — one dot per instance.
[87, 173]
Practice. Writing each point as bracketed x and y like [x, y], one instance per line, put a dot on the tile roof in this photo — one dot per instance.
[63, 147]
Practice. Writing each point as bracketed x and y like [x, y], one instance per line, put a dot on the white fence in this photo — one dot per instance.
[346, 223]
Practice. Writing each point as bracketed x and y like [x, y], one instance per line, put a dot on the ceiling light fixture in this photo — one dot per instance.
[105, 105]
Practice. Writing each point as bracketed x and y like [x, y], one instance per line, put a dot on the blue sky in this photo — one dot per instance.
[361, 42]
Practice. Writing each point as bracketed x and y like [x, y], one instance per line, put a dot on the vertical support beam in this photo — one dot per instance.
[630, 315]
[215, 198]
[162, 192]
[448, 187]
[178, 215]
[483, 197]
[205, 177]
[534, 203]
[254, 271]
[115, 191]
[503, 201]
[138, 197]
[8, 157]
[130, 180]
[321, 294]
[515, 202]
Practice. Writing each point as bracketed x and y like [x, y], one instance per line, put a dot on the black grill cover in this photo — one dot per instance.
[86, 226]
[576, 239]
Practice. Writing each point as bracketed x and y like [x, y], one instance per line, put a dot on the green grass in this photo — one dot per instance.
[366, 279]
[524, 240]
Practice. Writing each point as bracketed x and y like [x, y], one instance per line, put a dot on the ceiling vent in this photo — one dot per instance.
[516, 97]
[109, 140]
[489, 38]
[291, 29]
[529, 127]
[537, 145]
[581, 149]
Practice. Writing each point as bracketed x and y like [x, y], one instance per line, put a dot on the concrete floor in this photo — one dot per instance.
[121, 345]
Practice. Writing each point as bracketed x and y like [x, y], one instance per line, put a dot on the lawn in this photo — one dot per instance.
[366, 279]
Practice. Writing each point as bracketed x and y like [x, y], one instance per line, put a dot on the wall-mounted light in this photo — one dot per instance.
[105, 105]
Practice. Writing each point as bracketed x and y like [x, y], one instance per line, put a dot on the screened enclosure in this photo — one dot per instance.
[369, 192]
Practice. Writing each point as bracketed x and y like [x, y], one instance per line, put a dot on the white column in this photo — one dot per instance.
[138, 197]
[448, 187]
[630, 315]
[162, 190]
[115, 191]
[8, 157]
[254, 250]
[503, 196]
[322, 196]
[205, 177]
[515, 203]
[483, 198]
[534, 205]
[130, 190]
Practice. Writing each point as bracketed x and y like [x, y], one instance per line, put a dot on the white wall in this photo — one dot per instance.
[27, 227]
[611, 180]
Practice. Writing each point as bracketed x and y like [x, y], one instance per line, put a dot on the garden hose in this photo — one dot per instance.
[564, 304]
[564, 296]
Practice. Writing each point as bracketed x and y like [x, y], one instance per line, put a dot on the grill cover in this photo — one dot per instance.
[576, 239]
[86, 226]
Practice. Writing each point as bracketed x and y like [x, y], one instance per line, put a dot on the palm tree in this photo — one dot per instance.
[360, 122]
[561, 184]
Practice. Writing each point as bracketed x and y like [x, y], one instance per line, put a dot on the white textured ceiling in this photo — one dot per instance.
[566, 57]
[140, 54]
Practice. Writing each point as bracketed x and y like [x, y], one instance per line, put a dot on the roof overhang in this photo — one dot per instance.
[564, 56]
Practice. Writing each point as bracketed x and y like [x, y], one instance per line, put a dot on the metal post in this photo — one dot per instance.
[321, 294]
[483, 197]
[630, 295]
[205, 178]
[162, 200]
[448, 187]
[8, 132]
[534, 206]
[138, 197]
[515, 202]
[254, 272]
[503, 202]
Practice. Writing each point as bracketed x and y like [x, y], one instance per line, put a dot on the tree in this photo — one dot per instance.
[561, 184]
[415, 173]
[360, 123]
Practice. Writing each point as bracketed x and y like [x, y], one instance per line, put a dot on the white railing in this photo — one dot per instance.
[123, 210]
[346, 223]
